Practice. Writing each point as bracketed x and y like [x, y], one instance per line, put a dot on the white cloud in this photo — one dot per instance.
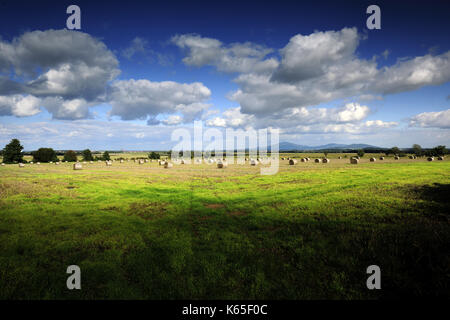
[137, 46]
[438, 119]
[313, 69]
[237, 57]
[19, 105]
[139, 99]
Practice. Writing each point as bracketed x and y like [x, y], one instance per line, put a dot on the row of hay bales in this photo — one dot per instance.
[222, 163]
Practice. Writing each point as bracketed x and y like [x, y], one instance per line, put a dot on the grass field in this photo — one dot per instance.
[195, 231]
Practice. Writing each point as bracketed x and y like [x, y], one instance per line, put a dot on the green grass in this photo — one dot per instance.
[197, 232]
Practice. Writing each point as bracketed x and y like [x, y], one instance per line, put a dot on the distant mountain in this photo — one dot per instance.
[288, 146]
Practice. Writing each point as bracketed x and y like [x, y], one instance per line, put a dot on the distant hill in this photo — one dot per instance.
[288, 146]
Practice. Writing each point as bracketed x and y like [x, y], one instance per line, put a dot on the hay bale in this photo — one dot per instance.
[38, 163]
[339, 157]
[430, 158]
[396, 158]
[56, 163]
[222, 164]
[108, 163]
[91, 162]
[354, 160]
[283, 158]
[411, 157]
[253, 162]
[308, 159]
[51, 162]
[168, 164]
[318, 160]
[21, 165]
[141, 161]
[292, 162]
[146, 160]
[121, 160]
[3, 164]
[326, 160]
[441, 158]
[77, 166]
[31, 162]
[303, 160]
[373, 159]
[381, 158]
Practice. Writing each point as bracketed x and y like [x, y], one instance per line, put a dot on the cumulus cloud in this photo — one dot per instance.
[438, 119]
[237, 57]
[304, 119]
[68, 72]
[139, 99]
[66, 66]
[312, 69]
[19, 105]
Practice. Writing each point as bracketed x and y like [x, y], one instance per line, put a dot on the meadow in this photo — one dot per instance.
[199, 232]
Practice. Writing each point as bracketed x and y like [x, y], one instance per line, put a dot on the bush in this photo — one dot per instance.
[154, 155]
[44, 155]
[13, 152]
[360, 153]
[106, 156]
[87, 155]
[70, 156]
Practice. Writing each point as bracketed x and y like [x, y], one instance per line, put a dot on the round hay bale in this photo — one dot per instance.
[3, 164]
[108, 163]
[168, 165]
[141, 161]
[31, 162]
[210, 161]
[354, 160]
[339, 157]
[411, 157]
[56, 163]
[308, 159]
[253, 162]
[38, 163]
[182, 161]
[318, 160]
[373, 159]
[430, 158]
[326, 160]
[283, 158]
[222, 164]
[77, 166]
[396, 158]
[381, 158]
[292, 162]
[51, 162]
[21, 165]
[303, 160]
[91, 162]
[441, 158]
[121, 160]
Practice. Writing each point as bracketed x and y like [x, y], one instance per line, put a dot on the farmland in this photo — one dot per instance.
[198, 232]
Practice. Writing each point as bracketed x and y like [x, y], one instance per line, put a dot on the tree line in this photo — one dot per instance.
[13, 153]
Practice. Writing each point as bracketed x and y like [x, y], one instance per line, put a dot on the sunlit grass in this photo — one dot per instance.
[195, 231]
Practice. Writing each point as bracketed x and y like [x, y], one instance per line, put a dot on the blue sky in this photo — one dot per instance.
[137, 70]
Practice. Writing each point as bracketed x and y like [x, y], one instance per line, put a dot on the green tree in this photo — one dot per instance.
[439, 150]
[70, 156]
[13, 152]
[154, 155]
[417, 149]
[106, 156]
[395, 151]
[360, 153]
[44, 155]
[87, 155]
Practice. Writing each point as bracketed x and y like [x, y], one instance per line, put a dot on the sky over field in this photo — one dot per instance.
[137, 70]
